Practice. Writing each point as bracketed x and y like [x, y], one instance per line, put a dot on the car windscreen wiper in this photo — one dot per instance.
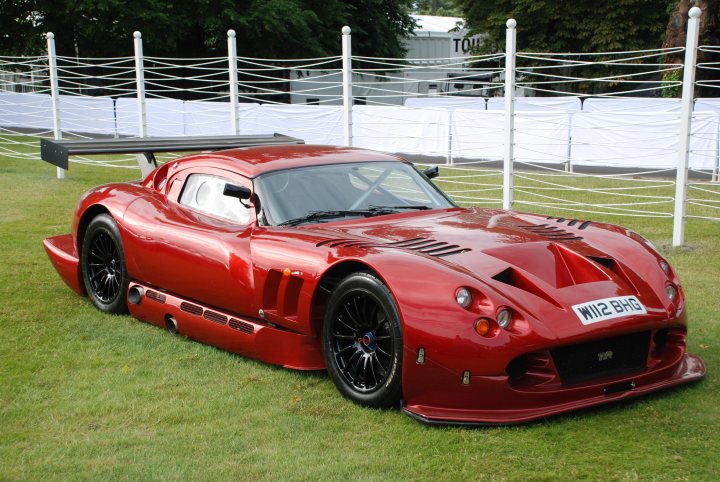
[418, 207]
[339, 213]
[320, 215]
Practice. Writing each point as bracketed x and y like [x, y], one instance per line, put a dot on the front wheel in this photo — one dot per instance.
[103, 265]
[362, 341]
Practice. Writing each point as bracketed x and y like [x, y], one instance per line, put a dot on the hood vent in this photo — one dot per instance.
[427, 246]
[550, 232]
[516, 278]
[571, 222]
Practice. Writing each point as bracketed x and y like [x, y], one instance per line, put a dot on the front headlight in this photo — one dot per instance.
[504, 318]
[463, 297]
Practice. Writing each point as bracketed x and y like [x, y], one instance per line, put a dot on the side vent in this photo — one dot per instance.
[271, 288]
[190, 308]
[238, 325]
[292, 293]
[155, 296]
[215, 317]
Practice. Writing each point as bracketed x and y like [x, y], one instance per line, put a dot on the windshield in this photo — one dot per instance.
[330, 192]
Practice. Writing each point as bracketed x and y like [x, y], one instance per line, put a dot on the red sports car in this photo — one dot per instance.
[318, 257]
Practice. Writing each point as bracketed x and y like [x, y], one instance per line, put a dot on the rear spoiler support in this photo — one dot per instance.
[56, 152]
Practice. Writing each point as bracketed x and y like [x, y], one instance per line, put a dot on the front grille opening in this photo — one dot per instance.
[668, 342]
[517, 368]
[660, 339]
[599, 358]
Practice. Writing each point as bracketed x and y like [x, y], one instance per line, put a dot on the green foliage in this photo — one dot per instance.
[671, 81]
[570, 25]
[196, 28]
[442, 8]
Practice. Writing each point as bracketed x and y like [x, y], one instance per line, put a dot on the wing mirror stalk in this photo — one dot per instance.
[240, 192]
[431, 172]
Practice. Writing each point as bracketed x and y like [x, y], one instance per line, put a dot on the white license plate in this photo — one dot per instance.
[608, 308]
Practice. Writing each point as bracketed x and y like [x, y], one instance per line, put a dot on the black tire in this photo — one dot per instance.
[102, 262]
[362, 342]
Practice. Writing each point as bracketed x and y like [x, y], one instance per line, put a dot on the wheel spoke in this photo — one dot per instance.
[343, 350]
[349, 361]
[346, 307]
[356, 370]
[352, 329]
[380, 350]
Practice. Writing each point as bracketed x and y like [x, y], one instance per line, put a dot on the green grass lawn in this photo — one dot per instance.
[88, 396]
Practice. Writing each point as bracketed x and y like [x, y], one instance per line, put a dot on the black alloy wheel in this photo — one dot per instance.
[362, 341]
[103, 265]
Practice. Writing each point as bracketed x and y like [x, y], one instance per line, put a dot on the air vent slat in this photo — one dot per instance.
[449, 253]
[241, 326]
[190, 308]
[215, 317]
[155, 296]
[449, 247]
[428, 246]
[407, 241]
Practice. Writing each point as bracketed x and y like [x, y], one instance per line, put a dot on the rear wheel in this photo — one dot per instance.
[362, 341]
[103, 265]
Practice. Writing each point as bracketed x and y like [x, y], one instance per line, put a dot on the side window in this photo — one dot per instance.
[204, 193]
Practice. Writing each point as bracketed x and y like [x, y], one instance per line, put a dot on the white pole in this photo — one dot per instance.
[232, 70]
[510, 46]
[54, 93]
[140, 83]
[685, 125]
[347, 85]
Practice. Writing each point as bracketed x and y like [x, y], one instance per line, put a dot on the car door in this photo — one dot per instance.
[194, 241]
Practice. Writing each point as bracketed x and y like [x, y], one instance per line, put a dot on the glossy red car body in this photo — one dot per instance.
[257, 290]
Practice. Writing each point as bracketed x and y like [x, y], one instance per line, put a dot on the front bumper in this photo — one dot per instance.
[460, 404]
[62, 254]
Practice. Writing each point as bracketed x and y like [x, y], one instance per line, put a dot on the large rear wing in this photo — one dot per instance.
[56, 152]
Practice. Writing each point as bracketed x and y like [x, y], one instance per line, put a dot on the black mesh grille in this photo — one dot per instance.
[599, 358]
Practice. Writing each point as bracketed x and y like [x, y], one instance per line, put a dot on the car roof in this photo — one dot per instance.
[253, 161]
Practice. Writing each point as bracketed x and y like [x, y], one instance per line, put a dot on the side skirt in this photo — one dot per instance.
[228, 331]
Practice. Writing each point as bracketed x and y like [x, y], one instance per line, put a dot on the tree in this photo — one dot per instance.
[443, 8]
[197, 28]
[569, 25]
[676, 36]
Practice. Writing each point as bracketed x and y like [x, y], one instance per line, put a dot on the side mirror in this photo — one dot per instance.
[431, 172]
[240, 192]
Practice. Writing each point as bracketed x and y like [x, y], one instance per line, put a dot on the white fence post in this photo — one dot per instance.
[510, 46]
[347, 85]
[688, 86]
[54, 93]
[140, 83]
[232, 70]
